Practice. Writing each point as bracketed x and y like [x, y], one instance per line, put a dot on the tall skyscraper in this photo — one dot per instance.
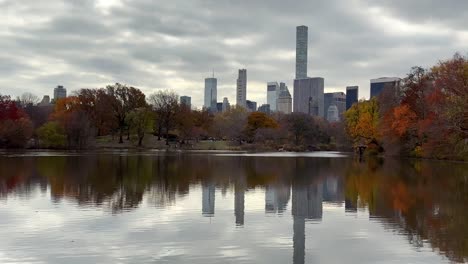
[352, 93]
[211, 85]
[308, 96]
[241, 95]
[186, 100]
[301, 52]
[59, 92]
[377, 85]
[272, 94]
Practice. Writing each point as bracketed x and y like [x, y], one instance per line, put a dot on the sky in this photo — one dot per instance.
[174, 45]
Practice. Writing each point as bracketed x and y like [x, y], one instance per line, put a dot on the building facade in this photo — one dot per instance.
[251, 106]
[352, 93]
[211, 92]
[377, 85]
[186, 101]
[272, 94]
[284, 104]
[332, 114]
[264, 108]
[59, 92]
[241, 93]
[337, 99]
[308, 96]
[301, 52]
[226, 104]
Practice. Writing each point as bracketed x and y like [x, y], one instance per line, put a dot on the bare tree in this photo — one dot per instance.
[165, 105]
[28, 99]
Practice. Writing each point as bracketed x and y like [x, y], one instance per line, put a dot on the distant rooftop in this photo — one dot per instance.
[385, 79]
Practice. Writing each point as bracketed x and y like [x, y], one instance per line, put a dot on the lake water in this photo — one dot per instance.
[212, 207]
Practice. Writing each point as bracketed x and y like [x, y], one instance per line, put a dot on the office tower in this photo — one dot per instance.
[351, 96]
[332, 114]
[284, 102]
[272, 94]
[186, 101]
[45, 101]
[241, 94]
[208, 199]
[226, 105]
[251, 106]
[59, 92]
[377, 85]
[338, 99]
[308, 96]
[211, 85]
[264, 108]
[219, 107]
[301, 52]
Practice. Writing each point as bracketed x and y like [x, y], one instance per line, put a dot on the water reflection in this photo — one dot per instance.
[426, 202]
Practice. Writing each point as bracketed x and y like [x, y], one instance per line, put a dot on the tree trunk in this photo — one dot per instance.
[140, 140]
[121, 137]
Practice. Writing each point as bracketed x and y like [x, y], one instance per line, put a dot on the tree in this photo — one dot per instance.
[140, 120]
[256, 121]
[231, 124]
[28, 99]
[124, 99]
[52, 135]
[15, 125]
[165, 105]
[362, 121]
[96, 103]
[304, 129]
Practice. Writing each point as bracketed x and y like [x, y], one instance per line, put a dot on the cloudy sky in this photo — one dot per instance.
[162, 44]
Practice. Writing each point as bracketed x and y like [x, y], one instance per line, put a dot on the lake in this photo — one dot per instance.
[216, 207]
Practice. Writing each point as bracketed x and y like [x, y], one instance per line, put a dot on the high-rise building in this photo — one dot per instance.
[45, 101]
[251, 106]
[241, 94]
[264, 108]
[59, 92]
[332, 114]
[284, 103]
[352, 93]
[308, 96]
[272, 94]
[219, 107]
[186, 101]
[338, 99]
[226, 105]
[301, 52]
[377, 85]
[211, 85]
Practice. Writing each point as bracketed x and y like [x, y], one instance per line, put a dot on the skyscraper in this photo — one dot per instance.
[211, 93]
[272, 94]
[241, 95]
[186, 100]
[301, 52]
[226, 105]
[251, 105]
[337, 99]
[351, 96]
[284, 103]
[308, 96]
[59, 92]
[377, 85]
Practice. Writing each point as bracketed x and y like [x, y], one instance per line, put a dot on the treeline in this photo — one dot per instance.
[427, 116]
[124, 113]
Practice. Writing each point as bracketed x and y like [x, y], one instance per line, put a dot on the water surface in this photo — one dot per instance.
[210, 207]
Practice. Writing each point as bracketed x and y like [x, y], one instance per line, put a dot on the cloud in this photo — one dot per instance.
[176, 44]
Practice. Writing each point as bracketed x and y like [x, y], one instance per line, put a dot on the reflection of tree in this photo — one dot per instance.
[428, 201]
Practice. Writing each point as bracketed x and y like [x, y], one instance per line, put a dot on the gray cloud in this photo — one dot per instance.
[176, 44]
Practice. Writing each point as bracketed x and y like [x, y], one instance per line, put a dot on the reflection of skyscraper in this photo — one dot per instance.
[277, 198]
[208, 199]
[306, 204]
[239, 198]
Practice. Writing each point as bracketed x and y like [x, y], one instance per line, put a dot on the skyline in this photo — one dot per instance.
[161, 46]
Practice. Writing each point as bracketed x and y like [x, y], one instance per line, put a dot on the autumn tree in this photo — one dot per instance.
[362, 121]
[15, 126]
[123, 100]
[256, 121]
